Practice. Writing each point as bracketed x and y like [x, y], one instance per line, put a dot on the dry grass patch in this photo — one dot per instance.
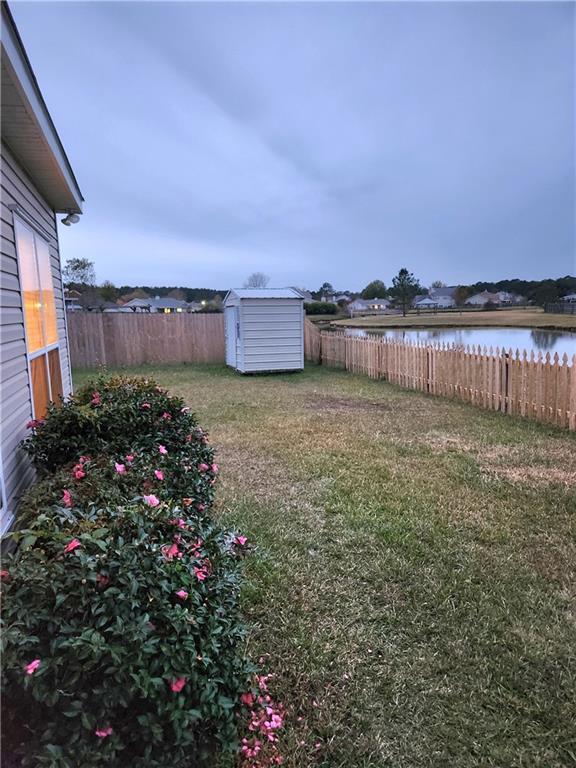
[505, 318]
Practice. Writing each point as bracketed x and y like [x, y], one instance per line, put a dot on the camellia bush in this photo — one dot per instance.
[122, 641]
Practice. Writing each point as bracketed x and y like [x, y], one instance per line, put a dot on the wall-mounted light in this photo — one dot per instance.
[72, 218]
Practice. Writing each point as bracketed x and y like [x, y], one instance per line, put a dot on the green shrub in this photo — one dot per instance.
[321, 308]
[117, 415]
[117, 604]
[121, 586]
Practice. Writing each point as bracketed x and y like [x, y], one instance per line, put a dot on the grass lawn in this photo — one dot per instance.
[503, 318]
[414, 583]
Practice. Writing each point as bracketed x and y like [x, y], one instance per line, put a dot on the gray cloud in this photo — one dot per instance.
[314, 141]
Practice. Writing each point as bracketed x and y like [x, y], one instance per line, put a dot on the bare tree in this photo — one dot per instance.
[257, 280]
[79, 272]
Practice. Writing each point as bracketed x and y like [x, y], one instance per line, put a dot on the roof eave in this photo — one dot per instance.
[24, 80]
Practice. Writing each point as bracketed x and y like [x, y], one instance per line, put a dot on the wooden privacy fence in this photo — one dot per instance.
[121, 339]
[536, 386]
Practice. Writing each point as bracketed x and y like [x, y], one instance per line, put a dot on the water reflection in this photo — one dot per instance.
[530, 339]
[544, 339]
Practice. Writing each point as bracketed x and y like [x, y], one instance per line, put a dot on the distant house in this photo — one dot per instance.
[378, 305]
[37, 183]
[138, 305]
[306, 295]
[72, 300]
[342, 297]
[433, 302]
[167, 305]
[358, 306]
[442, 298]
[571, 298]
[482, 298]
[110, 306]
[510, 298]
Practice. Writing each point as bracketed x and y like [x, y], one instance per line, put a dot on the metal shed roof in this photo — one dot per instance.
[264, 293]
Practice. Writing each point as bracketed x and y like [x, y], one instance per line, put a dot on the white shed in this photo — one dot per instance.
[264, 329]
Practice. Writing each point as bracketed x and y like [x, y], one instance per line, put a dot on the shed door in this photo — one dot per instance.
[231, 320]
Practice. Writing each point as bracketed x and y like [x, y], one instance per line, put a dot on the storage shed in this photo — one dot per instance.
[264, 329]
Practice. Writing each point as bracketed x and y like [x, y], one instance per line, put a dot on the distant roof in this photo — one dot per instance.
[446, 290]
[166, 302]
[138, 303]
[302, 292]
[265, 293]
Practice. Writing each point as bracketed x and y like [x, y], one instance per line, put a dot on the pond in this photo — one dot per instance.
[510, 338]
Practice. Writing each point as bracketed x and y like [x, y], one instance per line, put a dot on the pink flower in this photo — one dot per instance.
[166, 416]
[162, 449]
[178, 684]
[72, 545]
[240, 540]
[130, 458]
[96, 399]
[34, 423]
[79, 472]
[182, 594]
[201, 573]
[203, 467]
[67, 498]
[152, 500]
[159, 474]
[201, 507]
[247, 699]
[120, 468]
[187, 502]
[179, 522]
[214, 467]
[145, 405]
[102, 733]
[32, 667]
[4, 574]
[171, 551]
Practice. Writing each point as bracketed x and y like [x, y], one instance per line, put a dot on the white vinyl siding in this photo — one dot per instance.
[16, 405]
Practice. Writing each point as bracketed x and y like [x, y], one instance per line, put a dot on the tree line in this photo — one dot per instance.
[80, 274]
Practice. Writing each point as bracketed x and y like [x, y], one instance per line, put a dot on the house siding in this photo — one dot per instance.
[18, 189]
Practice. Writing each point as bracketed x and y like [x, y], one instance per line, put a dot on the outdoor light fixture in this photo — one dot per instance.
[72, 218]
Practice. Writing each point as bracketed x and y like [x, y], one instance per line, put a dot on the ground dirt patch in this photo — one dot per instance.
[336, 405]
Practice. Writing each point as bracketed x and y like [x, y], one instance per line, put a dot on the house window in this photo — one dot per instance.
[41, 330]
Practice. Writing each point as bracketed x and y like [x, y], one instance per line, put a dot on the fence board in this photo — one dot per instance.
[504, 380]
[121, 339]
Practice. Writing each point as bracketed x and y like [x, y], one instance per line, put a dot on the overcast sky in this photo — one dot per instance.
[314, 141]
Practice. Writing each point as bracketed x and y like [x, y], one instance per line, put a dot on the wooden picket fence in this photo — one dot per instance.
[541, 387]
[114, 339]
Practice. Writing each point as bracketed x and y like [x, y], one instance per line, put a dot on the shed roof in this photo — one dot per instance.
[265, 293]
